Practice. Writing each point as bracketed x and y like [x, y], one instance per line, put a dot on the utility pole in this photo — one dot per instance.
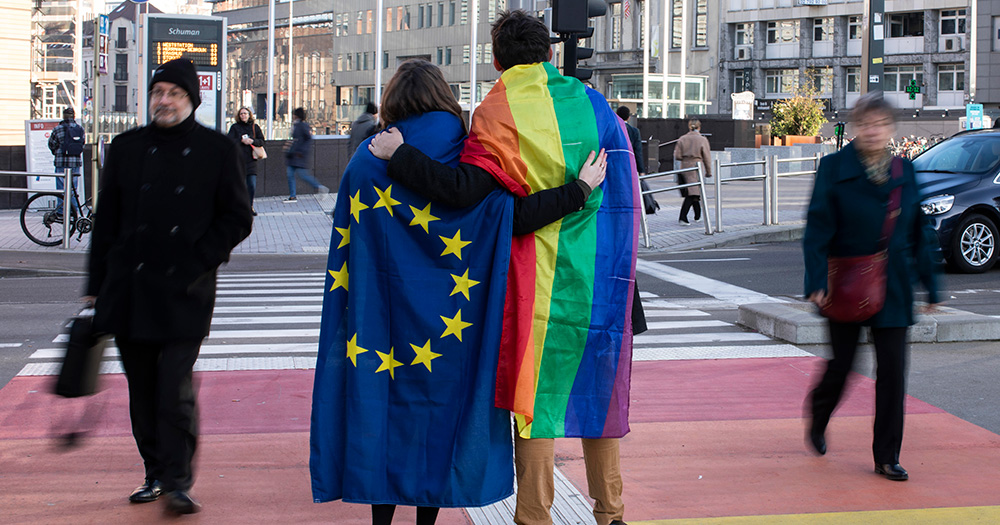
[873, 46]
[270, 73]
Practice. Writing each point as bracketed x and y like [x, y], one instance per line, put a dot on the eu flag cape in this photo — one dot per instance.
[403, 408]
[566, 355]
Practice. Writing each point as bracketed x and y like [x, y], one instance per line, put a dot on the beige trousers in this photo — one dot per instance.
[534, 461]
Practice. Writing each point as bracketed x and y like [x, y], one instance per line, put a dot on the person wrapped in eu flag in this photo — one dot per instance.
[403, 409]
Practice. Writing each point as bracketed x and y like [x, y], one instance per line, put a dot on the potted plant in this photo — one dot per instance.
[799, 118]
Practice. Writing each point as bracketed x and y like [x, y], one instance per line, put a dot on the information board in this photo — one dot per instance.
[200, 39]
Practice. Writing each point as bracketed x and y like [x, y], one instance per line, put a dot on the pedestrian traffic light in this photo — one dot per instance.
[570, 19]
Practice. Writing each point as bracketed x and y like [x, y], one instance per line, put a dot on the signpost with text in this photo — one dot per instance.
[201, 39]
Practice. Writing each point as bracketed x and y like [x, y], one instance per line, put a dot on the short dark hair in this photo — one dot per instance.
[519, 38]
[370, 108]
[872, 102]
[299, 113]
[623, 112]
[68, 113]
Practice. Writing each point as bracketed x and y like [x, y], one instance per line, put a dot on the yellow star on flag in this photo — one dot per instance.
[357, 206]
[353, 350]
[385, 199]
[388, 363]
[345, 234]
[454, 245]
[454, 326]
[339, 278]
[422, 217]
[463, 283]
[424, 355]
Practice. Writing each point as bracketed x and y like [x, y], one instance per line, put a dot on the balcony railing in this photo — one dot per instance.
[121, 75]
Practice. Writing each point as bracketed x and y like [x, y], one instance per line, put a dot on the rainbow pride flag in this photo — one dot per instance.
[566, 349]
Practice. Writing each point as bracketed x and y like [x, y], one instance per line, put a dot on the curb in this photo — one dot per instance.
[797, 323]
[759, 235]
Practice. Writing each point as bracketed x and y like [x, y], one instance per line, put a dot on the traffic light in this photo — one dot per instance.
[570, 19]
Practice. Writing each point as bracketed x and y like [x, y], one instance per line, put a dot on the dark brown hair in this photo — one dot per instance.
[418, 87]
[519, 38]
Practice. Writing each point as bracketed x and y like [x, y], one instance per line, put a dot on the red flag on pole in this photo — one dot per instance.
[628, 10]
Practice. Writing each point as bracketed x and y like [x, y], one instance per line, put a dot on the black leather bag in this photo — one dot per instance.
[648, 202]
[82, 363]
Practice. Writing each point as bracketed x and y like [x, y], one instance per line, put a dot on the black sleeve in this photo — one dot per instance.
[258, 137]
[468, 184]
[107, 221]
[636, 140]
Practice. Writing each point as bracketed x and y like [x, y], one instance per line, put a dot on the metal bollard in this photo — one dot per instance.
[67, 192]
[717, 170]
[704, 199]
[772, 190]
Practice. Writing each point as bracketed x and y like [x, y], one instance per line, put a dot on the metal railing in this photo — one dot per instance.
[775, 175]
[66, 193]
[700, 170]
[719, 182]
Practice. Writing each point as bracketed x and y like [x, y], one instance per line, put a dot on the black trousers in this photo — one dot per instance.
[890, 384]
[382, 514]
[162, 407]
[691, 202]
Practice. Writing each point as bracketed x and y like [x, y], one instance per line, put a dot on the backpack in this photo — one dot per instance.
[73, 140]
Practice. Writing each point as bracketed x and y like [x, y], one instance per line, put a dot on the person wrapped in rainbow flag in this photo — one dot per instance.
[571, 306]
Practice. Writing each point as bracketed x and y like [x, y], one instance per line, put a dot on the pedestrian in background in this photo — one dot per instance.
[247, 134]
[847, 217]
[648, 202]
[173, 206]
[364, 126]
[691, 149]
[297, 155]
[66, 143]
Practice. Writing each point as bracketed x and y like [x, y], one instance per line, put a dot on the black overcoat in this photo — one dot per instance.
[173, 204]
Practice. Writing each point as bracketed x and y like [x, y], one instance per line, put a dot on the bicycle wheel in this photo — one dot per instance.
[42, 220]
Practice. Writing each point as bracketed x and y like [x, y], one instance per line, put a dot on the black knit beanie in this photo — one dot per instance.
[179, 71]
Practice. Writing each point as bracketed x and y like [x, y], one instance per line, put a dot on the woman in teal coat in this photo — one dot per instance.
[845, 218]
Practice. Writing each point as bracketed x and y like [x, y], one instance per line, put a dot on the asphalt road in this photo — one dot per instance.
[959, 377]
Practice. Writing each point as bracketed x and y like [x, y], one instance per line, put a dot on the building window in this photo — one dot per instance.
[854, 80]
[385, 60]
[739, 81]
[488, 53]
[340, 62]
[401, 23]
[744, 34]
[951, 77]
[465, 54]
[854, 28]
[451, 14]
[368, 22]
[781, 81]
[440, 56]
[953, 22]
[350, 61]
[898, 77]
[616, 26]
[121, 98]
[906, 25]
[783, 32]
[822, 80]
[388, 20]
[822, 29]
[675, 24]
[420, 16]
[441, 14]
[447, 56]
[641, 10]
[122, 41]
[701, 23]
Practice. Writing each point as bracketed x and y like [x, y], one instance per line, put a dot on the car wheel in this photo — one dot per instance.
[974, 245]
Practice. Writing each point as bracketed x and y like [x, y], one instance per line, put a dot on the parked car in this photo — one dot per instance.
[959, 180]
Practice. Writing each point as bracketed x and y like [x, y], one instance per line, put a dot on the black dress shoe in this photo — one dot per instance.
[892, 471]
[180, 502]
[150, 490]
[818, 442]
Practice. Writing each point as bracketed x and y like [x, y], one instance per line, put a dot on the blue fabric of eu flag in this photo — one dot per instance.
[403, 406]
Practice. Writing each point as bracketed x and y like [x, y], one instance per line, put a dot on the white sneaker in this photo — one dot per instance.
[322, 190]
[683, 222]
[291, 199]
[697, 220]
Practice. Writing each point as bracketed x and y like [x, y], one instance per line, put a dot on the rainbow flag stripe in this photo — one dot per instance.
[566, 349]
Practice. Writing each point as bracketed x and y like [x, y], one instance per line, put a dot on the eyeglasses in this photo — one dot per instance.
[173, 94]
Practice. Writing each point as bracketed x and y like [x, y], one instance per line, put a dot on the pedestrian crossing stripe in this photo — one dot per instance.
[882, 517]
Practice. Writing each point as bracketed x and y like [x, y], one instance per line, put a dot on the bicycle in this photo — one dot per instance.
[42, 218]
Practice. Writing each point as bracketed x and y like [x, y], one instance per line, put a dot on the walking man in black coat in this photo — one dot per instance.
[173, 205]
